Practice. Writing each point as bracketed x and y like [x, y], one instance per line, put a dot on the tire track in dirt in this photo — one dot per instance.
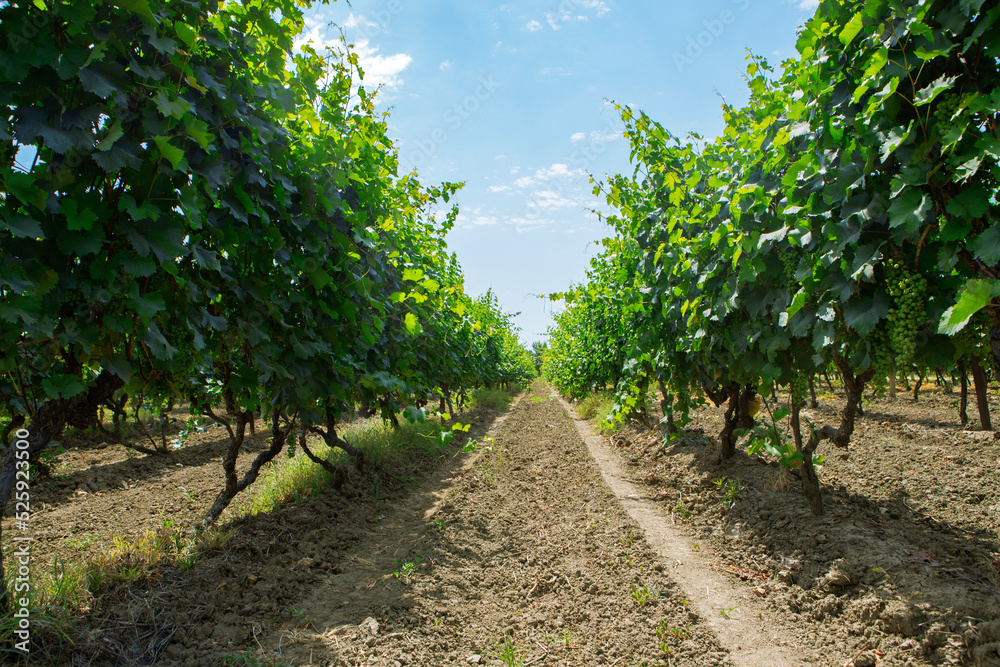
[751, 633]
[525, 547]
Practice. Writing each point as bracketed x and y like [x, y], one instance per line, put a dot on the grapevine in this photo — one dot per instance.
[790, 262]
[798, 388]
[880, 207]
[908, 312]
[881, 358]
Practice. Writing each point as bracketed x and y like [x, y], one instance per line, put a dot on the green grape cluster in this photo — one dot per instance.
[908, 313]
[881, 359]
[974, 338]
[788, 258]
[946, 106]
[799, 387]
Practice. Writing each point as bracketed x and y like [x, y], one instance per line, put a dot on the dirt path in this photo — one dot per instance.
[547, 545]
[751, 633]
[527, 546]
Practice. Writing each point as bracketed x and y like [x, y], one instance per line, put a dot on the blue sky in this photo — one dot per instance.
[514, 100]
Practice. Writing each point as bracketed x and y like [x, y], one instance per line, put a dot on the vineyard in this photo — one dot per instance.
[840, 236]
[842, 224]
[238, 362]
[194, 214]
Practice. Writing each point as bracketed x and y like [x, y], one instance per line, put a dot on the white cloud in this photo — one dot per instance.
[578, 136]
[504, 47]
[597, 136]
[556, 171]
[444, 65]
[500, 157]
[381, 70]
[579, 10]
[359, 21]
[528, 224]
[555, 71]
[559, 170]
[318, 34]
[547, 200]
[498, 188]
[475, 218]
[809, 5]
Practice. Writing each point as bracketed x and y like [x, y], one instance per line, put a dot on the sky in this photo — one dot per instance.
[516, 100]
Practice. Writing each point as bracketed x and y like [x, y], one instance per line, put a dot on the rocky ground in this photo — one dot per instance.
[531, 549]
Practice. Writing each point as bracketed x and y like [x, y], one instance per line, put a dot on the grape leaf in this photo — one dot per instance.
[986, 246]
[976, 295]
[24, 227]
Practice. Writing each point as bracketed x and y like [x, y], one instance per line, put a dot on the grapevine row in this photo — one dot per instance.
[845, 219]
[193, 211]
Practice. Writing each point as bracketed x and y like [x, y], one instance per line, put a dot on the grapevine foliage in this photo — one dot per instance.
[845, 218]
[191, 210]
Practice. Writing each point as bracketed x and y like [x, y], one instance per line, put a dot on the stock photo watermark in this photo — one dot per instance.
[452, 120]
[28, 30]
[21, 555]
[714, 28]
[379, 21]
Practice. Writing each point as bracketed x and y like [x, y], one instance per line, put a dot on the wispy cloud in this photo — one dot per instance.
[575, 10]
[555, 71]
[318, 34]
[548, 200]
[556, 171]
[358, 21]
[476, 217]
[445, 65]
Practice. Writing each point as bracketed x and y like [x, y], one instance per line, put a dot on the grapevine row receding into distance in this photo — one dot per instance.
[845, 219]
[193, 211]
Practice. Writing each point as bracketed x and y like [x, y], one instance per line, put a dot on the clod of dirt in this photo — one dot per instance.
[902, 618]
[866, 660]
[841, 573]
[369, 627]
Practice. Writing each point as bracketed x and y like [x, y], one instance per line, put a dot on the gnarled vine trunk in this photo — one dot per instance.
[235, 485]
[982, 398]
[737, 416]
[330, 437]
[810, 482]
[963, 402]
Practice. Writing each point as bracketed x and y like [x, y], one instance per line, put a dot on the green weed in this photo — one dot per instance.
[507, 653]
[726, 612]
[641, 595]
[679, 633]
[406, 569]
[250, 659]
[494, 399]
[730, 489]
